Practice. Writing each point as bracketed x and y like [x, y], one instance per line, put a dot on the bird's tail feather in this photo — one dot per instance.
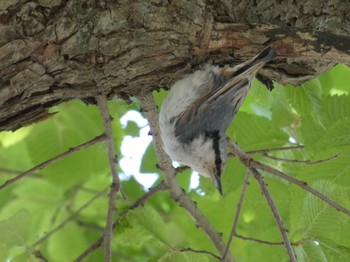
[265, 56]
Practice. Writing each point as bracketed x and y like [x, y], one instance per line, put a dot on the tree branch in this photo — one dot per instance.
[303, 185]
[70, 218]
[269, 243]
[268, 150]
[113, 161]
[275, 213]
[91, 142]
[139, 202]
[249, 162]
[149, 107]
[42, 71]
[90, 226]
[200, 252]
[12, 172]
[295, 161]
[238, 212]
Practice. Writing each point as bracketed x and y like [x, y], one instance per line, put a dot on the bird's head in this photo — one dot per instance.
[210, 158]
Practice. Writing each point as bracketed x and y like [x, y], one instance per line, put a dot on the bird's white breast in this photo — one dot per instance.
[183, 94]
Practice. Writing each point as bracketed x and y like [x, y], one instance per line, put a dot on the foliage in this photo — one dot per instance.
[316, 115]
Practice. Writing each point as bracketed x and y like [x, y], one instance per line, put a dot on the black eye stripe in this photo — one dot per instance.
[215, 136]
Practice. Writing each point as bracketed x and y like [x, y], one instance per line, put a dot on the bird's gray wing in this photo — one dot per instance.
[213, 111]
[226, 87]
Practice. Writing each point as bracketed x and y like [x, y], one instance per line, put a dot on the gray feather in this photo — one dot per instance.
[211, 115]
[226, 90]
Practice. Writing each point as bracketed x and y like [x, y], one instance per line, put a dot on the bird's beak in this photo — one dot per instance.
[217, 182]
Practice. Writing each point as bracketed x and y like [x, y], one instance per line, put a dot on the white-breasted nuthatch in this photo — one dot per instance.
[198, 110]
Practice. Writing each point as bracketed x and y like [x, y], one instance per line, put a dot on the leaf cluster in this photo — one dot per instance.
[315, 115]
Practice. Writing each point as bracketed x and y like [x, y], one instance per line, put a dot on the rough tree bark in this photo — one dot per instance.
[53, 51]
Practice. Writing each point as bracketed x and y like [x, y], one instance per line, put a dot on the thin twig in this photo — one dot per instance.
[295, 161]
[269, 243]
[139, 202]
[114, 188]
[9, 171]
[53, 160]
[276, 214]
[239, 207]
[12, 172]
[181, 169]
[200, 252]
[268, 150]
[39, 255]
[90, 226]
[87, 190]
[70, 218]
[149, 107]
[301, 184]
[249, 162]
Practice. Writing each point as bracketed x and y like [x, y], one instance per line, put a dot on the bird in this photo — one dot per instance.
[198, 110]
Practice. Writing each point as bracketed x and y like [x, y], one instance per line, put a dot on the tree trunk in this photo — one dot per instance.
[53, 51]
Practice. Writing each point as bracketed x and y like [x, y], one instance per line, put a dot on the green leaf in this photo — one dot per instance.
[14, 148]
[261, 95]
[310, 251]
[335, 137]
[334, 134]
[306, 99]
[317, 214]
[147, 220]
[8, 139]
[233, 176]
[258, 100]
[335, 81]
[132, 129]
[333, 251]
[135, 237]
[70, 239]
[335, 108]
[185, 257]
[14, 231]
[159, 97]
[96, 211]
[254, 132]
[132, 188]
[282, 113]
[74, 124]
[25, 256]
[161, 229]
[149, 161]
